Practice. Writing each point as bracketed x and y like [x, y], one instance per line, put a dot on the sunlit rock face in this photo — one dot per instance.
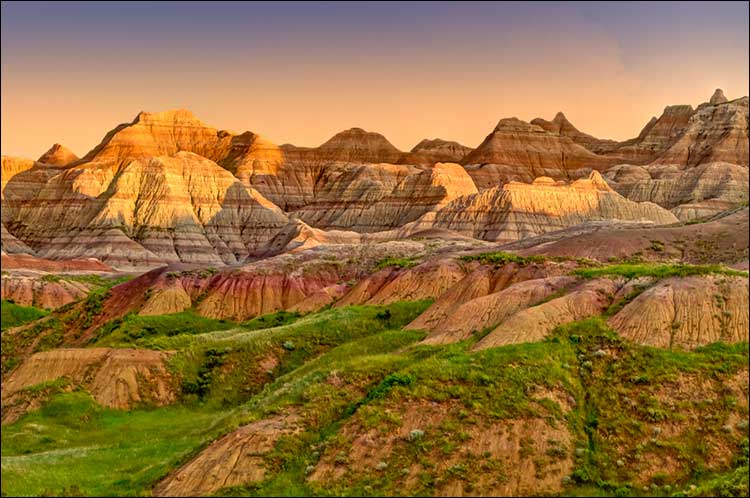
[168, 188]
[523, 151]
[689, 192]
[517, 210]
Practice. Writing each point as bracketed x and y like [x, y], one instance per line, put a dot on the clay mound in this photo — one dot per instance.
[497, 440]
[237, 294]
[233, 460]
[725, 239]
[516, 210]
[477, 314]
[429, 152]
[32, 291]
[535, 323]
[690, 192]
[686, 313]
[299, 236]
[482, 280]
[529, 150]
[561, 126]
[116, 378]
[57, 155]
[357, 146]
[426, 281]
[30, 262]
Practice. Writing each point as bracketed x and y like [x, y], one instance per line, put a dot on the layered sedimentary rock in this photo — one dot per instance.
[689, 192]
[656, 137]
[58, 155]
[357, 146]
[413, 196]
[31, 262]
[717, 132]
[477, 314]
[524, 151]
[561, 126]
[168, 188]
[427, 281]
[721, 240]
[116, 378]
[160, 134]
[535, 323]
[517, 210]
[718, 97]
[434, 151]
[687, 312]
[11, 245]
[11, 166]
[234, 460]
[178, 208]
[40, 292]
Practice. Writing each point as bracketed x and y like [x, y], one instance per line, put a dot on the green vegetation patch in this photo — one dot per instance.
[132, 328]
[13, 315]
[345, 372]
[391, 262]
[502, 258]
[228, 367]
[73, 444]
[656, 270]
[270, 320]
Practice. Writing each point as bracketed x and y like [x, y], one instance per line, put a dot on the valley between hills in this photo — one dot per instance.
[190, 311]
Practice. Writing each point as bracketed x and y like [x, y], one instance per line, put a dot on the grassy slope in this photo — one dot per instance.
[124, 453]
[378, 367]
[13, 315]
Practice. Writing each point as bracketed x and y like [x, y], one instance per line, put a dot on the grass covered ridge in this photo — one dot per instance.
[13, 315]
[612, 410]
[502, 257]
[657, 270]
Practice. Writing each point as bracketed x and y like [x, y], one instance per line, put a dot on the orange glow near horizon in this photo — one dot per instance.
[451, 74]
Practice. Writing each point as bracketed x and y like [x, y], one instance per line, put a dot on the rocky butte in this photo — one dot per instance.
[205, 312]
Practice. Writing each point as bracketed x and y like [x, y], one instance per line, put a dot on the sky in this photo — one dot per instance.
[301, 72]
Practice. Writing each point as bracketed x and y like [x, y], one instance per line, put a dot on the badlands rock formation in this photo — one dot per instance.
[244, 448]
[518, 210]
[415, 195]
[656, 137]
[561, 126]
[721, 240]
[429, 152]
[58, 155]
[47, 294]
[178, 208]
[168, 188]
[689, 192]
[11, 166]
[116, 378]
[524, 151]
[687, 312]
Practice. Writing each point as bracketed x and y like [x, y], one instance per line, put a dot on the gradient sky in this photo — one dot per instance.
[300, 72]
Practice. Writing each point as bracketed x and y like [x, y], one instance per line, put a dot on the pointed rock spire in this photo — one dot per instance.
[718, 97]
[58, 155]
